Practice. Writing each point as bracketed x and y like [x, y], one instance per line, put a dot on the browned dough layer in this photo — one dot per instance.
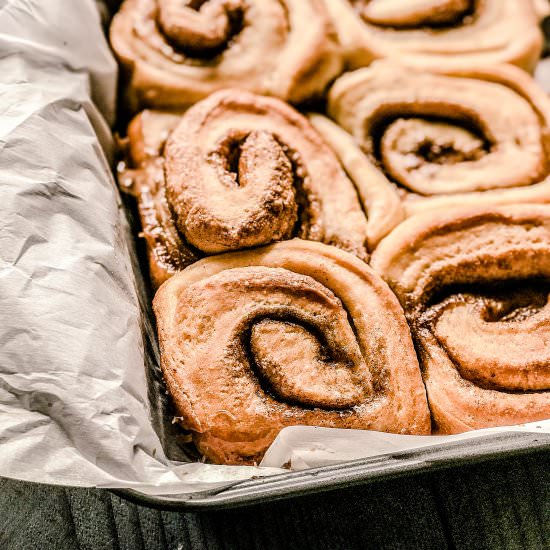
[434, 33]
[142, 175]
[177, 52]
[293, 333]
[237, 170]
[475, 285]
[418, 140]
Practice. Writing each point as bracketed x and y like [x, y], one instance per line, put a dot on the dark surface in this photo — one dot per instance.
[504, 504]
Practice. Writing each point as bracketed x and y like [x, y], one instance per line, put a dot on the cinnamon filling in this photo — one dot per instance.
[200, 28]
[300, 363]
[434, 134]
[436, 15]
[496, 334]
[406, 144]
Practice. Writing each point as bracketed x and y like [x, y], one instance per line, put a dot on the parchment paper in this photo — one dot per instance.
[73, 392]
[74, 407]
[309, 447]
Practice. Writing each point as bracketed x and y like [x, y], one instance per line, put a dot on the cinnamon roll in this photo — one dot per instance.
[449, 33]
[475, 285]
[235, 171]
[142, 176]
[176, 52]
[293, 333]
[441, 139]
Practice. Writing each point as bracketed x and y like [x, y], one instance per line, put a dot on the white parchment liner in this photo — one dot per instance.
[73, 390]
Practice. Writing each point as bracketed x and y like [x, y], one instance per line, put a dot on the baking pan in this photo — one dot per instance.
[350, 474]
[291, 484]
[175, 440]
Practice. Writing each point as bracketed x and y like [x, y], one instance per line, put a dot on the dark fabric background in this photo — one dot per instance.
[500, 505]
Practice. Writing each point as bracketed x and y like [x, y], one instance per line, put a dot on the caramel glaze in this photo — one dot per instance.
[295, 333]
[475, 286]
[235, 171]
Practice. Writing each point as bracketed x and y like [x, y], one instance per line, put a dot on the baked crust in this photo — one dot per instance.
[297, 332]
[424, 140]
[435, 33]
[474, 284]
[142, 176]
[237, 170]
[174, 55]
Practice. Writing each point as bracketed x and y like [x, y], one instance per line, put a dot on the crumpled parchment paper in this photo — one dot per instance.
[74, 407]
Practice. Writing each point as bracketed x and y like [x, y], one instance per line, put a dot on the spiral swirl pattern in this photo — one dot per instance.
[177, 52]
[475, 285]
[239, 170]
[294, 333]
[441, 139]
[428, 33]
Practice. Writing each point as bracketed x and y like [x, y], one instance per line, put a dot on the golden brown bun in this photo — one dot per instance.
[418, 140]
[237, 170]
[475, 285]
[293, 333]
[143, 177]
[175, 55]
[449, 33]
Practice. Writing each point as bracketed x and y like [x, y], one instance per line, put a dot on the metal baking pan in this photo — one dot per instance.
[315, 480]
[175, 440]
[349, 474]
